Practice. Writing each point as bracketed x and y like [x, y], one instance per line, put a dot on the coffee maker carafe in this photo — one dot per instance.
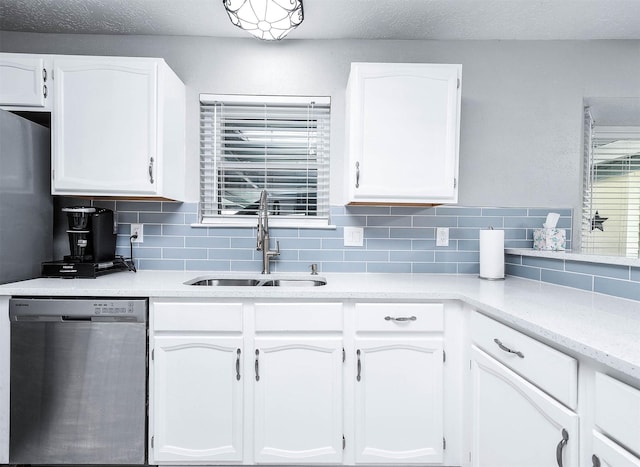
[92, 234]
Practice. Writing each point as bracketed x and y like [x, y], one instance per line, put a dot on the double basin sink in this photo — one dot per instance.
[262, 281]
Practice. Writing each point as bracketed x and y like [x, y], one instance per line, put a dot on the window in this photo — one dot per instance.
[611, 204]
[252, 143]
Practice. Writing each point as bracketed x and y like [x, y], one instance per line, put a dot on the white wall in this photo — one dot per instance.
[521, 128]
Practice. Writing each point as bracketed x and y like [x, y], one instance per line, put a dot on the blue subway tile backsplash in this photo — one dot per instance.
[396, 239]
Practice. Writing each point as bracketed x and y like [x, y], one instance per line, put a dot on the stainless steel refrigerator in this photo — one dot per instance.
[26, 204]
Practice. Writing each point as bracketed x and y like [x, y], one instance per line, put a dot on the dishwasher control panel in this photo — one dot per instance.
[72, 309]
[111, 307]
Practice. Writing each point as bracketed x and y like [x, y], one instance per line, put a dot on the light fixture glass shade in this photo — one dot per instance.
[266, 19]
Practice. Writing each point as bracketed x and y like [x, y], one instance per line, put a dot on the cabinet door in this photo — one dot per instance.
[606, 453]
[298, 400]
[104, 128]
[24, 81]
[403, 133]
[399, 403]
[198, 399]
[515, 423]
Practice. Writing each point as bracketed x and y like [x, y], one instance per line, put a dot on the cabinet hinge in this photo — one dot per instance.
[344, 442]
[152, 440]
[444, 443]
[458, 86]
[344, 355]
[53, 174]
[444, 356]
[153, 354]
[52, 75]
[455, 182]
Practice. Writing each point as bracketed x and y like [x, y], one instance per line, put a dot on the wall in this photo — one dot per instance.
[521, 122]
[521, 138]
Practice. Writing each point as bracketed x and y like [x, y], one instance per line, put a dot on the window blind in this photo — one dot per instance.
[611, 203]
[276, 143]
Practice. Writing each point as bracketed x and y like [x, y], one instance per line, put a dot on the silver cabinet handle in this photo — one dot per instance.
[560, 447]
[44, 75]
[358, 377]
[357, 174]
[400, 318]
[45, 91]
[507, 349]
[595, 461]
[238, 364]
[257, 365]
[151, 170]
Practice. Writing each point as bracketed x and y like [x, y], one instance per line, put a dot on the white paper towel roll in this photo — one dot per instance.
[492, 254]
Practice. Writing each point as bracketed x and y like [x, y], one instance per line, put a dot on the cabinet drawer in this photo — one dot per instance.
[225, 317]
[617, 407]
[549, 369]
[610, 454]
[403, 317]
[298, 316]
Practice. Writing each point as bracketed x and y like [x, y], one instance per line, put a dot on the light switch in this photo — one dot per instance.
[353, 236]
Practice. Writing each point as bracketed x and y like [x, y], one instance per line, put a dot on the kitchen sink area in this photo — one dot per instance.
[283, 281]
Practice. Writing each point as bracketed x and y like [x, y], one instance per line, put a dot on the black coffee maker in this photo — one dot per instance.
[92, 245]
[92, 234]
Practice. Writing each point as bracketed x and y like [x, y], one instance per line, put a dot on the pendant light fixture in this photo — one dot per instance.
[266, 19]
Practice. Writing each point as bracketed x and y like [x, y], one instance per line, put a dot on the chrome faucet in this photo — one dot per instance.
[263, 234]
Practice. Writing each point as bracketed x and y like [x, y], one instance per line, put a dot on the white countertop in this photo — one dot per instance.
[603, 328]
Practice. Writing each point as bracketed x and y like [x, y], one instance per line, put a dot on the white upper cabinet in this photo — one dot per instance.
[403, 130]
[24, 81]
[117, 128]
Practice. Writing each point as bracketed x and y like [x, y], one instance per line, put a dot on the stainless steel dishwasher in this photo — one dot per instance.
[78, 381]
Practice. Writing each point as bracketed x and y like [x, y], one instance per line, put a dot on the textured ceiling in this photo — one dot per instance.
[340, 19]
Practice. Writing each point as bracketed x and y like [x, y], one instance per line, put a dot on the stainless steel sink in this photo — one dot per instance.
[217, 281]
[222, 282]
[296, 282]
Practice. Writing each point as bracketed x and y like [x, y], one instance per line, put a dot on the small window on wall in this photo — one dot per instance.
[274, 143]
[611, 203]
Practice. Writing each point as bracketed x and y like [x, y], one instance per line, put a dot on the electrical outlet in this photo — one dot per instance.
[137, 229]
[442, 236]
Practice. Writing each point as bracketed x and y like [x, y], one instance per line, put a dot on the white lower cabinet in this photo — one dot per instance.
[515, 424]
[606, 453]
[616, 433]
[398, 400]
[398, 378]
[227, 387]
[298, 399]
[197, 383]
[365, 383]
[198, 399]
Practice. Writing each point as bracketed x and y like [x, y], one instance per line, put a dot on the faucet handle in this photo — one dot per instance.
[314, 269]
[277, 247]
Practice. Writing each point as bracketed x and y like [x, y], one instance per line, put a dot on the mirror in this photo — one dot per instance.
[611, 183]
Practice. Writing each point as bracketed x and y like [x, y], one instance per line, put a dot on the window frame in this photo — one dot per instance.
[208, 155]
[624, 174]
